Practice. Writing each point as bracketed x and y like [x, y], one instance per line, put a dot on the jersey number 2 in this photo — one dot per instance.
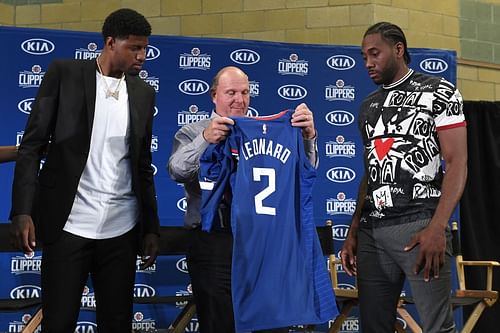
[259, 197]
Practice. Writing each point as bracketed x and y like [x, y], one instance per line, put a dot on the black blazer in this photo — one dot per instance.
[63, 113]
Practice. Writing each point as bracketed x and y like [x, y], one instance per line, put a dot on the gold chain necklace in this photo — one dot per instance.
[110, 93]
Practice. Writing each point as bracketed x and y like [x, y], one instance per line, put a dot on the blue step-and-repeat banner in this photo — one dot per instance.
[332, 81]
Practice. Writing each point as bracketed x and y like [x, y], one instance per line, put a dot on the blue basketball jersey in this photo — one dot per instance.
[279, 276]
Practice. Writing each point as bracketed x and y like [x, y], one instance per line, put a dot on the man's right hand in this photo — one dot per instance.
[22, 233]
[217, 129]
[348, 255]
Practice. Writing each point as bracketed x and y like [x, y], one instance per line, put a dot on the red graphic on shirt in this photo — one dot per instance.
[382, 147]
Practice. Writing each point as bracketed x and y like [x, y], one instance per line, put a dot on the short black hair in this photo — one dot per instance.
[124, 22]
[392, 33]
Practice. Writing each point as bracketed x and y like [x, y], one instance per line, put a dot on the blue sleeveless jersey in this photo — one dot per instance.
[279, 276]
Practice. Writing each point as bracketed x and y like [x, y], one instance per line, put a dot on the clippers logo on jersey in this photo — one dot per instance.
[91, 52]
[193, 87]
[340, 231]
[245, 57]
[182, 265]
[85, 327]
[38, 46]
[433, 65]
[254, 88]
[17, 326]
[195, 60]
[152, 52]
[339, 92]
[252, 112]
[339, 118]
[26, 291]
[88, 298]
[340, 205]
[293, 65]
[28, 263]
[140, 324]
[143, 290]
[340, 148]
[31, 78]
[153, 81]
[340, 62]
[25, 105]
[193, 114]
[138, 262]
[292, 92]
[182, 204]
[154, 143]
[341, 175]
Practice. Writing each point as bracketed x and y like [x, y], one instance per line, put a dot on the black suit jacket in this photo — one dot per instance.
[63, 113]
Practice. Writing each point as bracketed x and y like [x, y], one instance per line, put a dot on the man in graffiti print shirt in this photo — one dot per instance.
[400, 226]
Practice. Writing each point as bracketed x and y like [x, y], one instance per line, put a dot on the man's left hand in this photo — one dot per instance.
[431, 252]
[150, 250]
[303, 118]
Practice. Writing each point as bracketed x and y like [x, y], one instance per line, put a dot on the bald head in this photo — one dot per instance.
[230, 92]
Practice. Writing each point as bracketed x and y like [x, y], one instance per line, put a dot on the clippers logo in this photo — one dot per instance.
[293, 66]
[340, 231]
[339, 92]
[195, 60]
[252, 112]
[26, 264]
[31, 78]
[140, 324]
[193, 87]
[38, 46]
[85, 327]
[143, 290]
[182, 265]
[341, 175]
[138, 260]
[340, 148]
[18, 325]
[182, 204]
[340, 62]
[88, 298]
[193, 114]
[155, 169]
[245, 57]
[350, 325]
[433, 65]
[254, 88]
[340, 205]
[292, 92]
[339, 118]
[154, 143]
[152, 52]
[151, 80]
[91, 52]
[187, 292]
[26, 291]
[193, 326]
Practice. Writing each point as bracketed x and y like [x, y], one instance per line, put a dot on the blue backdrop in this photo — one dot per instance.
[332, 81]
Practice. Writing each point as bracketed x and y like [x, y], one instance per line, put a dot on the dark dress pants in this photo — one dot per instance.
[209, 264]
[66, 265]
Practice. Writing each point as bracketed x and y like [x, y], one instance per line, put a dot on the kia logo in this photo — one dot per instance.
[193, 87]
[25, 105]
[292, 92]
[155, 169]
[340, 175]
[182, 204]
[340, 231]
[433, 65]
[345, 286]
[252, 112]
[155, 112]
[182, 265]
[339, 118]
[26, 291]
[152, 52]
[245, 57]
[85, 327]
[340, 62]
[143, 290]
[37, 46]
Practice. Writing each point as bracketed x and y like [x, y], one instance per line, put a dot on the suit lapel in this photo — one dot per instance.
[134, 98]
[89, 78]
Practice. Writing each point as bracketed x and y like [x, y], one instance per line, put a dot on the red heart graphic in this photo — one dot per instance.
[383, 147]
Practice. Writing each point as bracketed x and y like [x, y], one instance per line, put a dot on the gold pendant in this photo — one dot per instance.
[113, 94]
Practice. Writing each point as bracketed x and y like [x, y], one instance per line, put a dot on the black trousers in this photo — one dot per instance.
[209, 263]
[66, 265]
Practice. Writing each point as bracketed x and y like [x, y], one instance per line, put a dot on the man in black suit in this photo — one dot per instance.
[93, 201]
